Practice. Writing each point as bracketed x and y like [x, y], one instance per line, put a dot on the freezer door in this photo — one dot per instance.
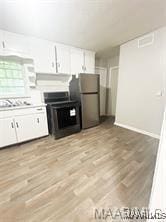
[90, 110]
[89, 83]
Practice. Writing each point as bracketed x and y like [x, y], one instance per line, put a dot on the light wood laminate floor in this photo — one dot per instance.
[65, 180]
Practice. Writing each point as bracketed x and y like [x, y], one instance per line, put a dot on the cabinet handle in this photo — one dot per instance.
[12, 125]
[3, 44]
[83, 68]
[39, 109]
[38, 120]
[17, 125]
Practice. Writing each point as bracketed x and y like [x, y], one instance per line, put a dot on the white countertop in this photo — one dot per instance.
[22, 107]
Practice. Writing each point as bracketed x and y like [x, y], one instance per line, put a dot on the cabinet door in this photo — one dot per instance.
[25, 127]
[41, 124]
[89, 61]
[15, 43]
[7, 132]
[43, 53]
[1, 42]
[63, 58]
[77, 61]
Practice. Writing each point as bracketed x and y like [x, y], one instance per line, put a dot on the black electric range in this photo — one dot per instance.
[63, 114]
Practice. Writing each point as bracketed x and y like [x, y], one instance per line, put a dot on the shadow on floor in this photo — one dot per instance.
[109, 119]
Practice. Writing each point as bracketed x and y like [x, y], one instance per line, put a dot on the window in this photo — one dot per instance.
[12, 79]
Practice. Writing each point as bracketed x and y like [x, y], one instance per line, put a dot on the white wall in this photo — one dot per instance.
[113, 61]
[101, 62]
[158, 200]
[141, 73]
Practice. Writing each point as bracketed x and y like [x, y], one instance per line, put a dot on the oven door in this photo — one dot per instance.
[66, 117]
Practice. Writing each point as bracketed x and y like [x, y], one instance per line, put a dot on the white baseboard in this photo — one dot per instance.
[138, 130]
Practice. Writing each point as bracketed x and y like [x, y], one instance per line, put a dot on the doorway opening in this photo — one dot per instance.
[112, 86]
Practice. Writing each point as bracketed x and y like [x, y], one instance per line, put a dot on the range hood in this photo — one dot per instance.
[16, 56]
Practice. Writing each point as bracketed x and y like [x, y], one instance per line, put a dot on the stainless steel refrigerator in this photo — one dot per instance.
[85, 89]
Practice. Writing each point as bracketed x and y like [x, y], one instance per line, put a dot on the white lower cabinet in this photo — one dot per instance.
[41, 125]
[7, 132]
[29, 124]
[25, 127]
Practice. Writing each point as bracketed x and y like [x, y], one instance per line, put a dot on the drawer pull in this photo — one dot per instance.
[39, 109]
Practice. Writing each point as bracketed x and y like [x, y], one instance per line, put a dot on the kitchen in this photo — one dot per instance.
[43, 62]
[81, 107]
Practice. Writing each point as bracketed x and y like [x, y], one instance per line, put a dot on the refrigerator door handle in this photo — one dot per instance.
[89, 93]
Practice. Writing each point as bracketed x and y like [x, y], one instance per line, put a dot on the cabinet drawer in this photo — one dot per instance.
[18, 112]
[30, 111]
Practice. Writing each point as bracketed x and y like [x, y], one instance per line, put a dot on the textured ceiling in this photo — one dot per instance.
[99, 25]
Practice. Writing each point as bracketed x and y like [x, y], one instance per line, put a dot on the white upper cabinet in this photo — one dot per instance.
[49, 57]
[89, 61]
[15, 43]
[82, 61]
[1, 42]
[43, 53]
[63, 58]
[77, 60]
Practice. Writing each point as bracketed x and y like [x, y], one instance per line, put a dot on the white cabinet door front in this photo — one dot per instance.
[15, 43]
[41, 124]
[31, 126]
[63, 58]
[25, 127]
[77, 61]
[43, 53]
[89, 61]
[1, 42]
[7, 132]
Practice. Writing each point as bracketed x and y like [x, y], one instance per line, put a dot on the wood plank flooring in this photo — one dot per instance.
[66, 180]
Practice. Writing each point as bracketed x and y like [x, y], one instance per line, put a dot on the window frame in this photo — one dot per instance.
[25, 79]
